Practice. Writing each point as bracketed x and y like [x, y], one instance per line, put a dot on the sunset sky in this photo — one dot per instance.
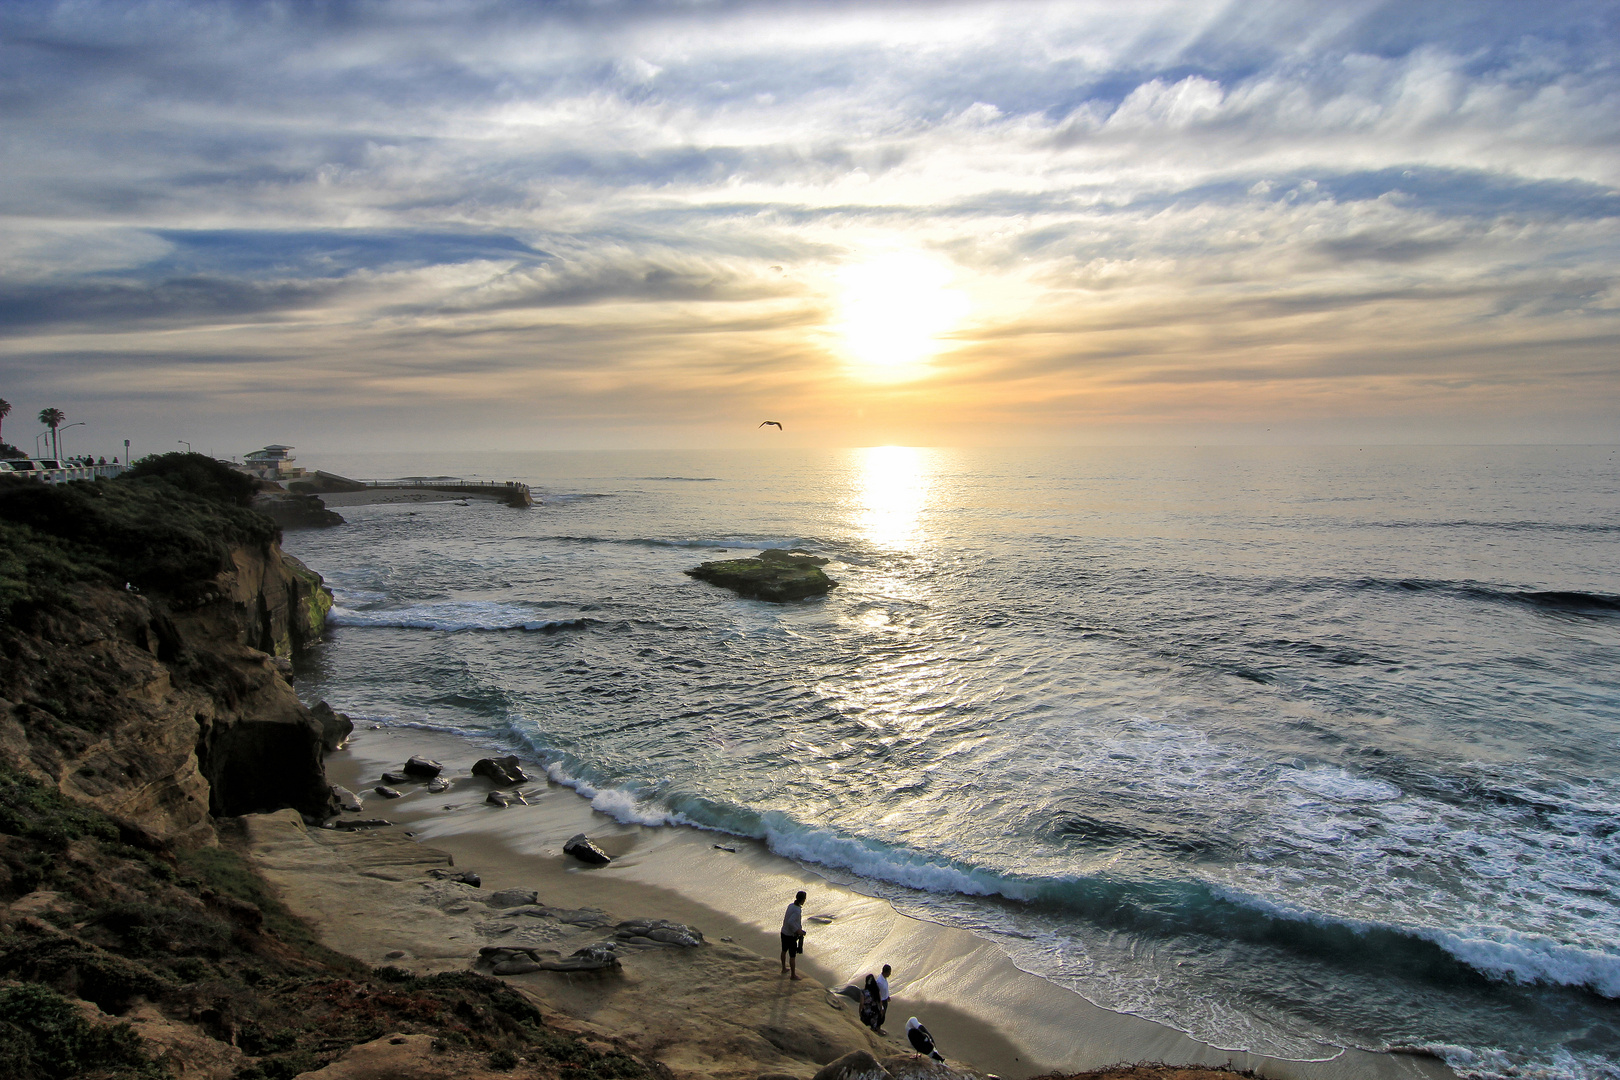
[602, 224]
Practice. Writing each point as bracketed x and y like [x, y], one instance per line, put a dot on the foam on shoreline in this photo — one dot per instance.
[999, 1018]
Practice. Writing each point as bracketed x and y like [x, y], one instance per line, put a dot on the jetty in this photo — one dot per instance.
[509, 492]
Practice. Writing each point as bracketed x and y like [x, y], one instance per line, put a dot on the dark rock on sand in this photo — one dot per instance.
[777, 576]
[423, 767]
[438, 785]
[502, 772]
[361, 823]
[500, 799]
[347, 800]
[505, 898]
[386, 792]
[395, 778]
[584, 849]
[858, 1065]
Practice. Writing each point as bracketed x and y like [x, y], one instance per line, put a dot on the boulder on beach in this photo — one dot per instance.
[500, 799]
[437, 785]
[347, 800]
[426, 768]
[502, 772]
[387, 792]
[584, 849]
[777, 576]
[395, 778]
[505, 898]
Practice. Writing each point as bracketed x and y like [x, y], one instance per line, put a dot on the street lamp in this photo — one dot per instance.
[64, 427]
[185, 444]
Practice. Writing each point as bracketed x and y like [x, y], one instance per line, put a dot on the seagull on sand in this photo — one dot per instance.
[771, 423]
[920, 1040]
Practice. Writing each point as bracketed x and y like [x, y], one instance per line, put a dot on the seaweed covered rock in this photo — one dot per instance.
[777, 576]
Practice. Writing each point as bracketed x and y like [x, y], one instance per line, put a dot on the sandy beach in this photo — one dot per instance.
[985, 1012]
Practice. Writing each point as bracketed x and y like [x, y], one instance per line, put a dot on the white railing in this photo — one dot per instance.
[62, 476]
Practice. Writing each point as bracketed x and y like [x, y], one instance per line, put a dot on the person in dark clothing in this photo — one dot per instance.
[793, 935]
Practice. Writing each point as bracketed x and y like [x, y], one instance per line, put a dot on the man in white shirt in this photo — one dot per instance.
[793, 935]
[883, 997]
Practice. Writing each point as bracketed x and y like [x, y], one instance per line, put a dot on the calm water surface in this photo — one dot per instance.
[1290, 749]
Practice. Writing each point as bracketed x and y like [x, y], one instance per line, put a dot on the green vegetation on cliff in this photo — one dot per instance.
[167, 525]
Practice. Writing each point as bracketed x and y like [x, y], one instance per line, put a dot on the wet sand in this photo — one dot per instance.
[982, 1009]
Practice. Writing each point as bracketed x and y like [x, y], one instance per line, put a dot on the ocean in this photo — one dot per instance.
[1289, 749]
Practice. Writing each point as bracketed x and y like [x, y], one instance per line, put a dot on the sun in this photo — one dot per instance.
[893, 310]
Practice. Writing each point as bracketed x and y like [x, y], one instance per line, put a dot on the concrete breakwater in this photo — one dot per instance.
[509, 492]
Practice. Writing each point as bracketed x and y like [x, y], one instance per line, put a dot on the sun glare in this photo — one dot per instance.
[894, 309]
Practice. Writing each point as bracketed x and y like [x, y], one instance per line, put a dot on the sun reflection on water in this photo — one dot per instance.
[895, 483]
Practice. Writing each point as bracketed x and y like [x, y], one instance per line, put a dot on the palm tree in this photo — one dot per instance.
[52, 418]
[5, 411]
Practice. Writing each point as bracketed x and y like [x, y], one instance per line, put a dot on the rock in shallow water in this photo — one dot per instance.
[425, 767]
[387, 792]
[347, 799]
[777, 576]
[584, 849]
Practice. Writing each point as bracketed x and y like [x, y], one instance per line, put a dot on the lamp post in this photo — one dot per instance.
[183, 442]
[63, 428]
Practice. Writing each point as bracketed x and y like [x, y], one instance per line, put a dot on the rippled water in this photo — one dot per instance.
[1289, 749]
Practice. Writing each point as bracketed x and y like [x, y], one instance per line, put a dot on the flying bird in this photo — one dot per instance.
[920, 1040]
[771, 423]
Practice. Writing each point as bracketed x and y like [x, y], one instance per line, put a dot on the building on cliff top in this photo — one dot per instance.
[272, 463]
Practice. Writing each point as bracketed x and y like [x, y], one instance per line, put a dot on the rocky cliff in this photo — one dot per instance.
[164, 700]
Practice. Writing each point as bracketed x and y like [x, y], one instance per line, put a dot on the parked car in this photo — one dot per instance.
[48, 463]
[23, 465]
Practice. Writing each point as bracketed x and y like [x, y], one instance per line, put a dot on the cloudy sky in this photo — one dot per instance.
[603, 223]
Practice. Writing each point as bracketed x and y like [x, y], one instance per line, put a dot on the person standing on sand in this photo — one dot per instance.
[793, 935]
[883, 998]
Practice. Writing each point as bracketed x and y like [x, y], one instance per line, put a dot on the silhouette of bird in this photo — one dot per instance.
[920, 1040]
[771, 423]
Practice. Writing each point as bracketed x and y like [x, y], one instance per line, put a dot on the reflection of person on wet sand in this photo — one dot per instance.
[793, 935]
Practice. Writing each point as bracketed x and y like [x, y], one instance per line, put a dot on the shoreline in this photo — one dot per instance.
[982, 1009]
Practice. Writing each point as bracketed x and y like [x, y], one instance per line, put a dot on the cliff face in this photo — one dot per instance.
[159, 712]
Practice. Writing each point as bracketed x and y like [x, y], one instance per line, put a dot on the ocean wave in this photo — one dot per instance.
[1504, 526]
[725, 542]
[1567, 600]
[1160, 908]
[453, 616]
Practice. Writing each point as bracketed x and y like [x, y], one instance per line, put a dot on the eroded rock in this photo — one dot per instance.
[503, 772]
[423, 767]
[585, 850]
[777, 576]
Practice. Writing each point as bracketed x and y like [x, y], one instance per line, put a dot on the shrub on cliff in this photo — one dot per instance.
[148, 531]
[199, 474]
